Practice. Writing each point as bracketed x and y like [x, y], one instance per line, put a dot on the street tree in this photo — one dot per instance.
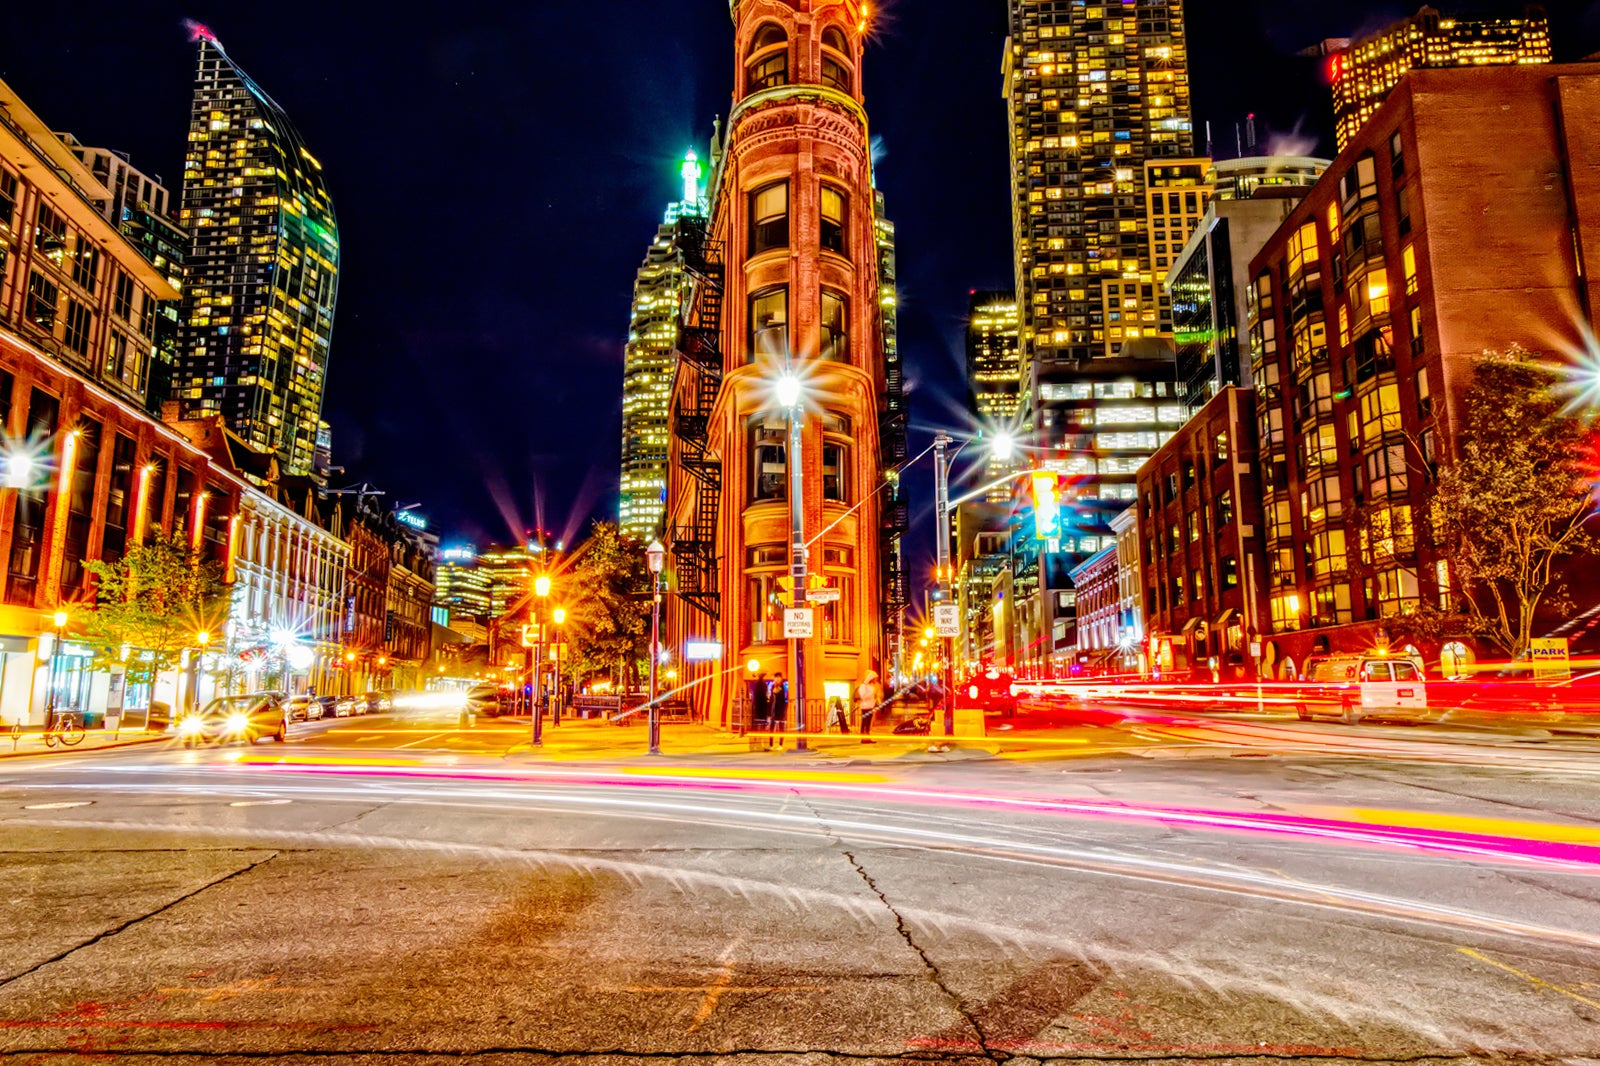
[1514, 507]
[151, 604]
[609, 587]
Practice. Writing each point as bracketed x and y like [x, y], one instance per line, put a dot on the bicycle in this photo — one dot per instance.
[66, 728]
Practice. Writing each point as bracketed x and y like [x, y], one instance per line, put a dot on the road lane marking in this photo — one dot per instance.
[56, 806]
[424, 740]
[259, 803]
[1537, 982]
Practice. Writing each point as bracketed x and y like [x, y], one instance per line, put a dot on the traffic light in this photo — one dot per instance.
[1046, 504]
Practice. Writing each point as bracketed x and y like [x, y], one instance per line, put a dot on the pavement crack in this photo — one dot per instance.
[933, 969]
[106, 934]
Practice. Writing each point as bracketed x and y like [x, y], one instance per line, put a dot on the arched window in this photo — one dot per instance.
[835, 60]
[767, 63]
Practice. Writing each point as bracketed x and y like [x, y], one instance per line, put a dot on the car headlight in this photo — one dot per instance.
[190, 726]
[238, 723]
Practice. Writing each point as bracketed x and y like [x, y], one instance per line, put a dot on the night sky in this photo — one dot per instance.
[499, 169]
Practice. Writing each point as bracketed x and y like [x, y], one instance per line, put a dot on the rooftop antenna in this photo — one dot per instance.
[1250, 131]
[1209, 152]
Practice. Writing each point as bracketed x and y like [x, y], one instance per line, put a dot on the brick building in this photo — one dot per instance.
[1458, 219]
[786, 274]
[1199, 535]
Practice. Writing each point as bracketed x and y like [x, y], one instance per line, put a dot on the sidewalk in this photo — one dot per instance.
[601, 741]
[17, 746]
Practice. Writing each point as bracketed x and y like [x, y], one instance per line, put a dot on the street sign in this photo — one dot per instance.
[824, 595]
[947, 620]
[530, 636]
[1255, 649]
[798, 622]
[1549, 655]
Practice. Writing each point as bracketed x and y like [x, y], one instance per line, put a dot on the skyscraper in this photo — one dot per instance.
[1364, 73]
[263, 268]
[1094, 93]
[648, 362]
[994, 373]
[1104, 192]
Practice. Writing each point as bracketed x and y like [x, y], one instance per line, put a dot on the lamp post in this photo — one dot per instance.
[541, 592]
[202, 640]
[60, 619]
[790, 397]
[559, 617]
[655, 557]
[1002, 448]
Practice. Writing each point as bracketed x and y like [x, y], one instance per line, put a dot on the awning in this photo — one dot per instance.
[1222, 619]
[1190, 624]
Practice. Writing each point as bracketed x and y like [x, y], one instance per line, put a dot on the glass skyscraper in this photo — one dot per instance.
[648, 364]
[263, 268]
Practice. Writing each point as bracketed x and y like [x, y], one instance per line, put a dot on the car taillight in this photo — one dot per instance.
[972, 691]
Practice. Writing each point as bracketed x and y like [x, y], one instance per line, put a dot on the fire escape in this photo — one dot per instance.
[699, 379]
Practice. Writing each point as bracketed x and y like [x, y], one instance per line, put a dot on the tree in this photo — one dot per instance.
[1516, 500]
[150, 606]
[609, 605]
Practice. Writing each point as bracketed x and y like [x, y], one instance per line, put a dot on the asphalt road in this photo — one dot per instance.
[1304, 892]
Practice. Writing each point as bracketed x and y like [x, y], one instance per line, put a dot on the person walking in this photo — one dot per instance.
[868, 696]
[779, 712]
[760, 704]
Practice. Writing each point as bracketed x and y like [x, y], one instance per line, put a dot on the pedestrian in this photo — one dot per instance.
[868, 696]
[760, 703]
[779, 712]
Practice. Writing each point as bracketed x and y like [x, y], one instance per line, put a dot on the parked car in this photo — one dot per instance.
[230, 718]
[1354, 687]
[347, 707]
[377, 702]
[1514, 689]
[303, 708]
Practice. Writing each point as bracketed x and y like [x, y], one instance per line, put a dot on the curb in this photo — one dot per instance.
[114, 745]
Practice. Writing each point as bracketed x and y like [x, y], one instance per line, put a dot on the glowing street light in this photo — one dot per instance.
[655, 557]
[789, 393]
[19, 470]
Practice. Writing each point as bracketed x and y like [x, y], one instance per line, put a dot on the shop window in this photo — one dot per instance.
[769, 324]
[834, 328]
[835, 216]
[769, 218]
[766, 608]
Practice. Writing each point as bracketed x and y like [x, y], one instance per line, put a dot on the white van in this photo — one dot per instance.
[1361, 686]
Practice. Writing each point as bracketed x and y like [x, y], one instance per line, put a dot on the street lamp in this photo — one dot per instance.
[790, 396]
[202, 640]
[559, 617]
[541, 591]
[1002, 447]
[60, 619]
[655, 557]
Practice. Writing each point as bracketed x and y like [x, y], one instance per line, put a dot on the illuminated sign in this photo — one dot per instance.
[458, 555]
[702, 651]
[415, 521]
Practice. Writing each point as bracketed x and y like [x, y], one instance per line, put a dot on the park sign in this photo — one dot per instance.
[1549, 656]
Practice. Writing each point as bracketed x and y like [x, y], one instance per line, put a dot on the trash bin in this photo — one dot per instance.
[158, 719]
